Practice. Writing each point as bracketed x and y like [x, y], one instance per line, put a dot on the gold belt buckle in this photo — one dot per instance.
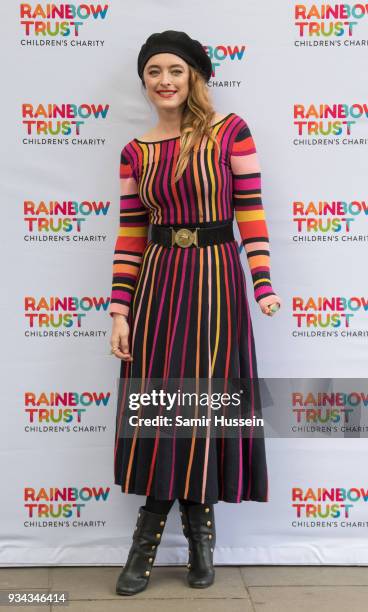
[184, 237]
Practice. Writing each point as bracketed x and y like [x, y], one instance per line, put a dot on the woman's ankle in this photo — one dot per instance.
[158, 506]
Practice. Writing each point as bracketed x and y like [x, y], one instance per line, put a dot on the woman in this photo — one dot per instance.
[181, 296]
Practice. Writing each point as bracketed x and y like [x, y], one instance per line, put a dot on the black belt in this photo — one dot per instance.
[192, 235]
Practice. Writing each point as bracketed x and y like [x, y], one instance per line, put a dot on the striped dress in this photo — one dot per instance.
[188, 311]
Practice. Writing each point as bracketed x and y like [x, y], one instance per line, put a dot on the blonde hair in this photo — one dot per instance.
[196, 120]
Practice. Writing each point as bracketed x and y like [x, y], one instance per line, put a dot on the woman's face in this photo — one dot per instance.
[166, 77]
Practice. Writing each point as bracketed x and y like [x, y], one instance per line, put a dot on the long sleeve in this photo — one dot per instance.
[131, 240]
[248, 209]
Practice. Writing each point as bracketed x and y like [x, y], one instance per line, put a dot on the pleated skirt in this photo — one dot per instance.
[190, 318]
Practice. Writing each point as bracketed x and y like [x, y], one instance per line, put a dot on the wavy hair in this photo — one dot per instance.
[196, 119]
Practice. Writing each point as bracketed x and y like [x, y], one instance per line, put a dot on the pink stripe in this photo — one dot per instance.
[117, 294]
[159, 315]
[205, 467]
[182, 368]
[203, 173]
[125, 257]
[247, 183]
[241, 283]
[240, 463]
[151, 250]
[260, 268]
[154, 452]
[176, 317]
[125, 377]
[250, 357]
[261, 290]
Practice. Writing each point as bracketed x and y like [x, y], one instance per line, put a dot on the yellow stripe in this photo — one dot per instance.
[218, 295]
[133, 231]
[262, 280]
[249, 215]
[122, 285]
[244, 196]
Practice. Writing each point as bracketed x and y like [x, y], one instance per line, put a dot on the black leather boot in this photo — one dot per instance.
[198, 521]
[146, 538]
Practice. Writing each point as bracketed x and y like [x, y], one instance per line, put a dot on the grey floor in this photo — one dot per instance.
[245, 589]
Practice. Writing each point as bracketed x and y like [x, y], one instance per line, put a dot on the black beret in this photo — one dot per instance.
[180, 44]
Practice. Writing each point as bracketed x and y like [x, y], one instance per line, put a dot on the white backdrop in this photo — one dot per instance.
[265, 65]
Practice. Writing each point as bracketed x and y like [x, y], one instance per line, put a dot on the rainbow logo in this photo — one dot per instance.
[52, 313]
[326, 408]
[327, 312]
[220, 54]
[324, 217]
[66, 407]
[66, 502]
[60, 119]
[58, 20]
[328, 120]
[326, 503]
[326, 21]
[61, 217]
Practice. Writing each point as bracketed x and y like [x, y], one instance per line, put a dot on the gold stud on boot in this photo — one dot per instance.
[135, 575]
[201, 536]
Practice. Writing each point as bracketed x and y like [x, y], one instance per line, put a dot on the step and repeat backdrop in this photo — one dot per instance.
[71, 100]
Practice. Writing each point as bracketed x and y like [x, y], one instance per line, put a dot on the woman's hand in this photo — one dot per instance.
[266, 302]
[119, 338]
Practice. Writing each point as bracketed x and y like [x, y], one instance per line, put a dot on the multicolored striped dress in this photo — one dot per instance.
[187, 308]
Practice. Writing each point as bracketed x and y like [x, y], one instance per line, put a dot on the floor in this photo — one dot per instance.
[245, 589]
